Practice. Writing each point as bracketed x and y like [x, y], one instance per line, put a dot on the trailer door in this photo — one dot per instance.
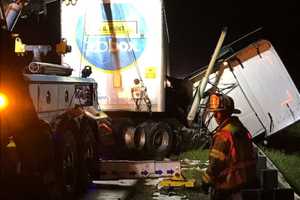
[243, 101]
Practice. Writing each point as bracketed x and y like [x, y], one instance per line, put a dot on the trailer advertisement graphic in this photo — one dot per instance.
[121, 40]
[111, 41]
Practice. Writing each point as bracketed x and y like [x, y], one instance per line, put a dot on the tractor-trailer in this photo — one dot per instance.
[122, 40]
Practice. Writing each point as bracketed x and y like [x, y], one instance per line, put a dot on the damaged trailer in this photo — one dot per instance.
[256, 78]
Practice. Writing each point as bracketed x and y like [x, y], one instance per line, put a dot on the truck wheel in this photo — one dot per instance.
[140, 137]
[88, 157]
[123, 130]
[67, 161]
[176, 126]
[105, 139]
[159, 140]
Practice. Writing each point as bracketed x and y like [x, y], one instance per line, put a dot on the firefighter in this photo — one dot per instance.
[232, 160]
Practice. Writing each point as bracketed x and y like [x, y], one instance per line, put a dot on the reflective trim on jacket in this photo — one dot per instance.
[232, 161]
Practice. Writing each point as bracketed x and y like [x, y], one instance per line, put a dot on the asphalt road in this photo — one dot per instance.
[137, 190]
[110, 190]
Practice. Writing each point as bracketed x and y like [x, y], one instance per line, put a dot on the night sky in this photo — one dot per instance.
[195, 26]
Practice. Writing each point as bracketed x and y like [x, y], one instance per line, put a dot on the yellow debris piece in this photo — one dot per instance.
[178, 180]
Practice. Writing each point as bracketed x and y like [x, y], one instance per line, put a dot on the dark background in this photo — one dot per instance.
[195, 26]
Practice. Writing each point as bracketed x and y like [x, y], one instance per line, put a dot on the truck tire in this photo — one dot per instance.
[67, 159]
[122, 130]
[105, 139]
[159, 139]
[87, 156]
[176, 126]
[49, 190]
[140, 136]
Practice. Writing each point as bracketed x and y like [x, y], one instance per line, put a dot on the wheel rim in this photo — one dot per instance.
[140, 138]
[129, 134]
[160, 140]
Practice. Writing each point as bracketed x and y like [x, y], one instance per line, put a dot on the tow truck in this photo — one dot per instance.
[48, 119]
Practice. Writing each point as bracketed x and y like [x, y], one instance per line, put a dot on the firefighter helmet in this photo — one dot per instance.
[222, 103]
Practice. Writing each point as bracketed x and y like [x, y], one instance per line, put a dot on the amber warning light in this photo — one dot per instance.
[3, 101]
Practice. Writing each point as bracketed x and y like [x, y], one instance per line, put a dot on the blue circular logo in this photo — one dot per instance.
[118, 41]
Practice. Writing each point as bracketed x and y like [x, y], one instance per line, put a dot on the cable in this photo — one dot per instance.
[146, 98]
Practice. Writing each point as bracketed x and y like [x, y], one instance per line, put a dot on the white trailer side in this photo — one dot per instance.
[121, 40]
[262, 89]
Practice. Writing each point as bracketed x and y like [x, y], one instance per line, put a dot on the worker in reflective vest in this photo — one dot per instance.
[139, 94]
[232, 160]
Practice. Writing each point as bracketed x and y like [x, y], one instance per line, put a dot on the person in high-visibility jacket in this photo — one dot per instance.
[139, 94]
[232, 160]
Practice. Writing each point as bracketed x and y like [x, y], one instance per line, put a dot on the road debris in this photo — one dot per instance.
[168, 196]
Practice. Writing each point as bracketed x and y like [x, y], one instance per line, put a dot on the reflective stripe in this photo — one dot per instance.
[206, 178]
[229, 137]
[222, 135]
[237, 171]
[217, 154]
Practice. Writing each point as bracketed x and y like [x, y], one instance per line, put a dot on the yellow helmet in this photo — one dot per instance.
[222, 103]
